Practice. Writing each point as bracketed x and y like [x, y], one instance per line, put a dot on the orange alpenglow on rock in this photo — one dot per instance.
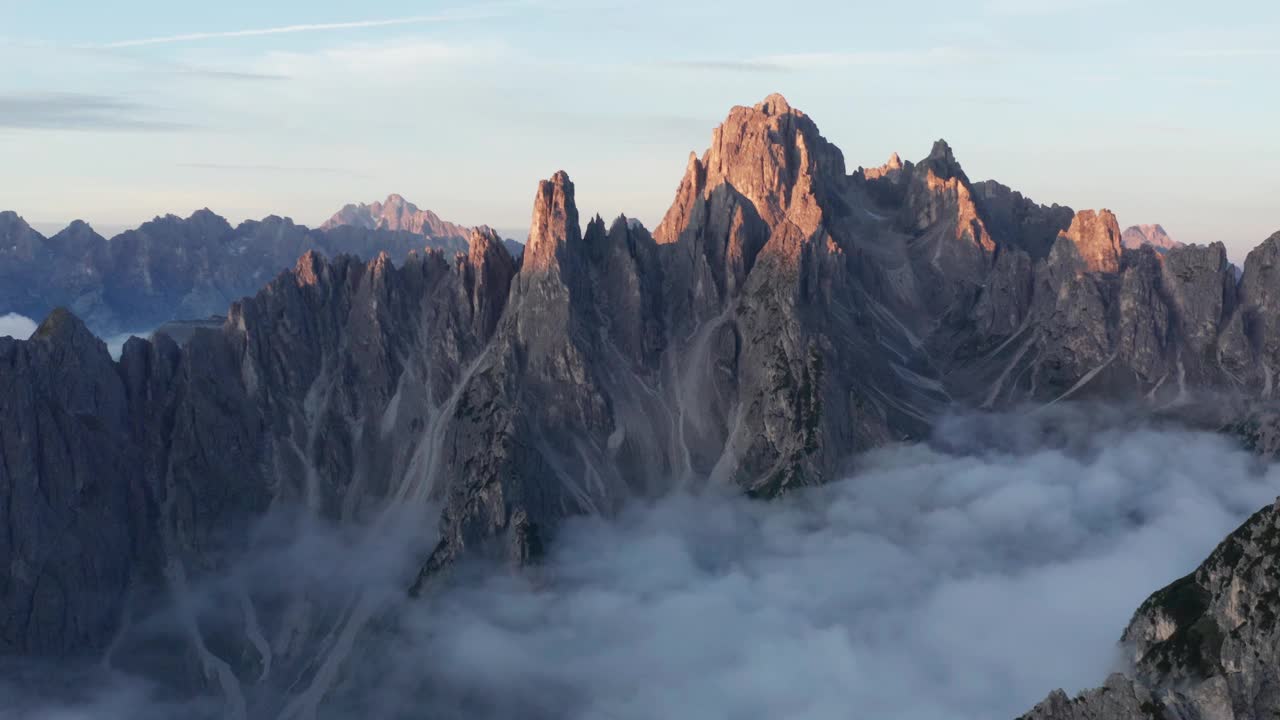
[1096, 235]
[555, 222]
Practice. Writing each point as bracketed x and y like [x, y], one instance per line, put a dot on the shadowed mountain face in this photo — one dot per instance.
[785, 315]
[178, 269]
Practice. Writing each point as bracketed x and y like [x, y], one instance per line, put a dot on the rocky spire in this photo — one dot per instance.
[1096, 235]
[491, 269]
[891, 169]
[942, 161]
[555, 223]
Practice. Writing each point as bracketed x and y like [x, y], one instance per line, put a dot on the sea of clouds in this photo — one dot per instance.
[961, 578]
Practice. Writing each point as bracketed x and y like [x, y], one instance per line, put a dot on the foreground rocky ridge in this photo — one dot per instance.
[786, 314]
[1206, 646]
[179, 269]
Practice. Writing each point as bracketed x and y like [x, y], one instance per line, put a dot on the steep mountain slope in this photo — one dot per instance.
[785, 315]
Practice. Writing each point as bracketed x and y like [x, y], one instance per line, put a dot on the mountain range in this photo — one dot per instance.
[787, 314]
[173, 268]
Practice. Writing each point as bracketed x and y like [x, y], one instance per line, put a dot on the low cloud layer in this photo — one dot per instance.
[16, 326]
[961, 578]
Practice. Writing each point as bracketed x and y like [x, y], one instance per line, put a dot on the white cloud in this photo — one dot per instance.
[16, 326]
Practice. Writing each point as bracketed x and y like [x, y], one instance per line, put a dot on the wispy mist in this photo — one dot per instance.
[961, 578]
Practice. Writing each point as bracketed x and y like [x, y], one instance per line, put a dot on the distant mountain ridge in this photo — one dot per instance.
[174, 268]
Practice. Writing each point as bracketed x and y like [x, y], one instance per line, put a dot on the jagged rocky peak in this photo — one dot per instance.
[940, 201]
[202, 222]
[483, 242]
[488, 272]
[396, 214]
[942, 162]
[1096, 235]
[892, 167]
[78, 237]
[1153, 235]
[17, 239]
[11, 222]
[62, 327]
[555, 223]
[771, 154]
[310, 268]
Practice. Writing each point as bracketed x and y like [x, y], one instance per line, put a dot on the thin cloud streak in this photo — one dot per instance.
[79, 111]
[303, 28]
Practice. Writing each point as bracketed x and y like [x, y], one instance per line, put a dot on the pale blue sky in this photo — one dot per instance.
[1163, 111]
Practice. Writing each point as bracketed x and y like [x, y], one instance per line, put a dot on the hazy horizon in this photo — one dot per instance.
[143, 108]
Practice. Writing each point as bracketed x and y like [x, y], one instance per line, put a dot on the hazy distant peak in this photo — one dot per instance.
[1153, 235]
[396, 214]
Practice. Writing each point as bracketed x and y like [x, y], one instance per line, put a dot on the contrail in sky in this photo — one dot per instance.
[304, 28]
